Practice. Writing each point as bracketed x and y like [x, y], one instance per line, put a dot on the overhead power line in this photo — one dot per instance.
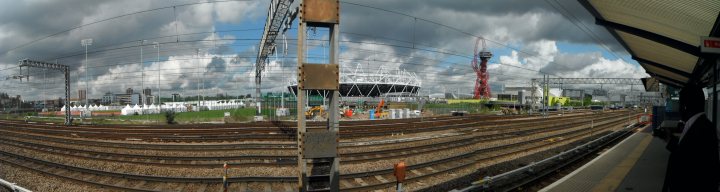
[112, 18]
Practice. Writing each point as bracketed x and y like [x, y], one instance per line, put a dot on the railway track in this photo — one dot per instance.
[473, 137]
[129, 182]
[350, 181]
[384, 179]
[228, 134]
[279, 131]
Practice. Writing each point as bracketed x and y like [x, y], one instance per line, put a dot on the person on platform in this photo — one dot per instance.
[694, 163]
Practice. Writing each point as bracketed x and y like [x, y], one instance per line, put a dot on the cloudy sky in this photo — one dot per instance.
[212, 46]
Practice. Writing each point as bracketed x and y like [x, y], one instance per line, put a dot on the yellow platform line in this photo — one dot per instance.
[613, 179]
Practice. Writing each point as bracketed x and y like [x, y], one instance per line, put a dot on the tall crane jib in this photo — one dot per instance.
[482, 89]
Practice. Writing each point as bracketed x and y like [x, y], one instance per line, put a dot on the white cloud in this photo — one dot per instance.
[549, 59]
[234, 12]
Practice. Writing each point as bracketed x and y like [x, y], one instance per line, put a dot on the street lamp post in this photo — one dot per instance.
[197, 55]
[142, 78]
[85, 43]
[157, 46]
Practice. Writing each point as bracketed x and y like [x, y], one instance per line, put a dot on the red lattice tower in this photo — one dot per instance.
[482, 90]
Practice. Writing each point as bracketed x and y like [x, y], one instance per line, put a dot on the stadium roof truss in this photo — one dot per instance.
[382, 81]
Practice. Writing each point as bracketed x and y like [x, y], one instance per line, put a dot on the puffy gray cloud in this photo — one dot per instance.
[505, 21]
[372, 38]
[114, 54]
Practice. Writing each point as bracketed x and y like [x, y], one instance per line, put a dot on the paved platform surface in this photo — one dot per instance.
[637, 163]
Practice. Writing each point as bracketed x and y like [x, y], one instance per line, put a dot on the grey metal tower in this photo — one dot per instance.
[318, 149]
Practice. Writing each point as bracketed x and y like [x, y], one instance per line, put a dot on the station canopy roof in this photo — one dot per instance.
[664, 36]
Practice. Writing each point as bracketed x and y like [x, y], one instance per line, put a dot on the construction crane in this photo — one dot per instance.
[379, 113]
[482, 90]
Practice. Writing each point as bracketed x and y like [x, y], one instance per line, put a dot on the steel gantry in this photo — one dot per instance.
[278, 13]
[317, 150]
[58, 67]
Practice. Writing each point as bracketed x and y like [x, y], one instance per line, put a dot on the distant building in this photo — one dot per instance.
[108, 98]
[176, 97]
[82, 94]
[599, 92]
[126, 99]
[129, 97]
[521, 94]
[574, 94]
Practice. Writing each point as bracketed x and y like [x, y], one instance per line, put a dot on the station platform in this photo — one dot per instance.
[637, 163]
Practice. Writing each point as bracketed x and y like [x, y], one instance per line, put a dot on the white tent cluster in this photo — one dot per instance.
[180, 107]
[88, 108]
[221, 105]
[152, 109]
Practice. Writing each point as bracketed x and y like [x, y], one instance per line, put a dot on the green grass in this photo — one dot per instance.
[454, 105]
[237, 115]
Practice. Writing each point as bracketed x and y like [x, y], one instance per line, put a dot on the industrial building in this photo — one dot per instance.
[128, 98]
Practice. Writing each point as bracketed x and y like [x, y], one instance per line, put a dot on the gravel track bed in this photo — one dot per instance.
[483, 130]
[543, 152]
[130, 141]
[400, 145]
[174, 153]
[29, 180]
[438, 155]
[398, 135]
[199, 153]
[139, 169]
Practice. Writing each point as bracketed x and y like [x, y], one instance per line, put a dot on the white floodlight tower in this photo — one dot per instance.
[142, 78]
[197, 60]
[157, 46]
[85, 43]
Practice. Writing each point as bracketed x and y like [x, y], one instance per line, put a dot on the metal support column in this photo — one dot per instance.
[317, 150]
[54, 66]
[67, 96]
[715, 94]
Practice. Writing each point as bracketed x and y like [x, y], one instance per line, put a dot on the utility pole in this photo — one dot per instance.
[85, 43]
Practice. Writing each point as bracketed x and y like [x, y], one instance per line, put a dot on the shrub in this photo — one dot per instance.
[170, 117]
